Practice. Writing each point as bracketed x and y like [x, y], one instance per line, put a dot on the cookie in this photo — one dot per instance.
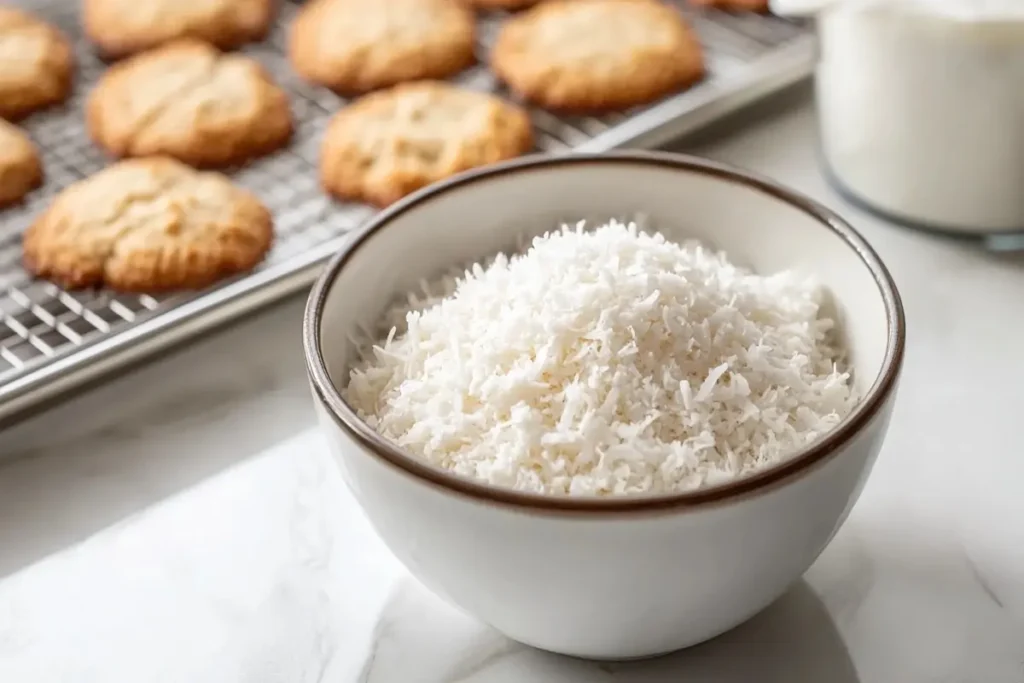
[390, 143]
[734, 5]
[148, 225]
[189, 101]
[36, 64]
[20, 169]
[353, 46]
[597, 55]
[122, 27]
[500, 4]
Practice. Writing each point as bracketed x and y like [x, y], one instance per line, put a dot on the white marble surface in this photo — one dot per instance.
[184, 523]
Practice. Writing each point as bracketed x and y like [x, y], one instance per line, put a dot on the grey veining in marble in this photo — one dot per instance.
[268, 572]
[185, 524]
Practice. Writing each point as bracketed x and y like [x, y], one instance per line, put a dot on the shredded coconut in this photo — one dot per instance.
[606, 362]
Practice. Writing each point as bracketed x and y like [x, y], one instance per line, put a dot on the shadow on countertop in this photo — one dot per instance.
[793, 641]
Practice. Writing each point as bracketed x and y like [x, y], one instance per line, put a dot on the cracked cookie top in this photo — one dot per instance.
[148, 225]
[36, 64]
[20, 168]
[123, 27]
[391, 142]
[192, 102]
[597, 55]
[353, 46]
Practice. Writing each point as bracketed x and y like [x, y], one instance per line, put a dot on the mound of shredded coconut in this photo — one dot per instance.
[606, 362]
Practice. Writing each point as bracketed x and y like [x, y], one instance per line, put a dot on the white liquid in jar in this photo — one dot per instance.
[922, 113]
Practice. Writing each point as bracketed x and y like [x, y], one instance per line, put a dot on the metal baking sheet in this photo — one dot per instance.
[52, 340]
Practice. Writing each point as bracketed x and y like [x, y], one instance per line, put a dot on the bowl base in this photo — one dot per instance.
[626, 659]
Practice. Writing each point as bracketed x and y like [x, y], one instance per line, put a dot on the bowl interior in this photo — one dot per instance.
[756, 224]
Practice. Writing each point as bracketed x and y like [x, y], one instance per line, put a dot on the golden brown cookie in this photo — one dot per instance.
[148, 225]
[353, 46]
[390, 143]
[20, 169]
[734, 5]
[36, 64]
[597, 55]
[189, 101]
[501, 4]
[123, 27]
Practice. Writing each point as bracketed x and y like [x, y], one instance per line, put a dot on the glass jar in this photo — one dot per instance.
[921, 108]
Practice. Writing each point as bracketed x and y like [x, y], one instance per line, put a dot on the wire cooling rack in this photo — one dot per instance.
[52, 340]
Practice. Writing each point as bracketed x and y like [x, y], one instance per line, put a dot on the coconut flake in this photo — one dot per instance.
[570, 369]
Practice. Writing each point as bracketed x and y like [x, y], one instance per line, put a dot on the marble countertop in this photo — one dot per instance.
[184, 523]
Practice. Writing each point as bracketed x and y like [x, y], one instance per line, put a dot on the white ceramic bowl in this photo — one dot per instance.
[606, 578]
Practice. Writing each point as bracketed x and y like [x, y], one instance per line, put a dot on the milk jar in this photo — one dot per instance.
[921, 108]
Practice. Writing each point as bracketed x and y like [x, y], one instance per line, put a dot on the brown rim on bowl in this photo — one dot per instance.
[817, 452]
